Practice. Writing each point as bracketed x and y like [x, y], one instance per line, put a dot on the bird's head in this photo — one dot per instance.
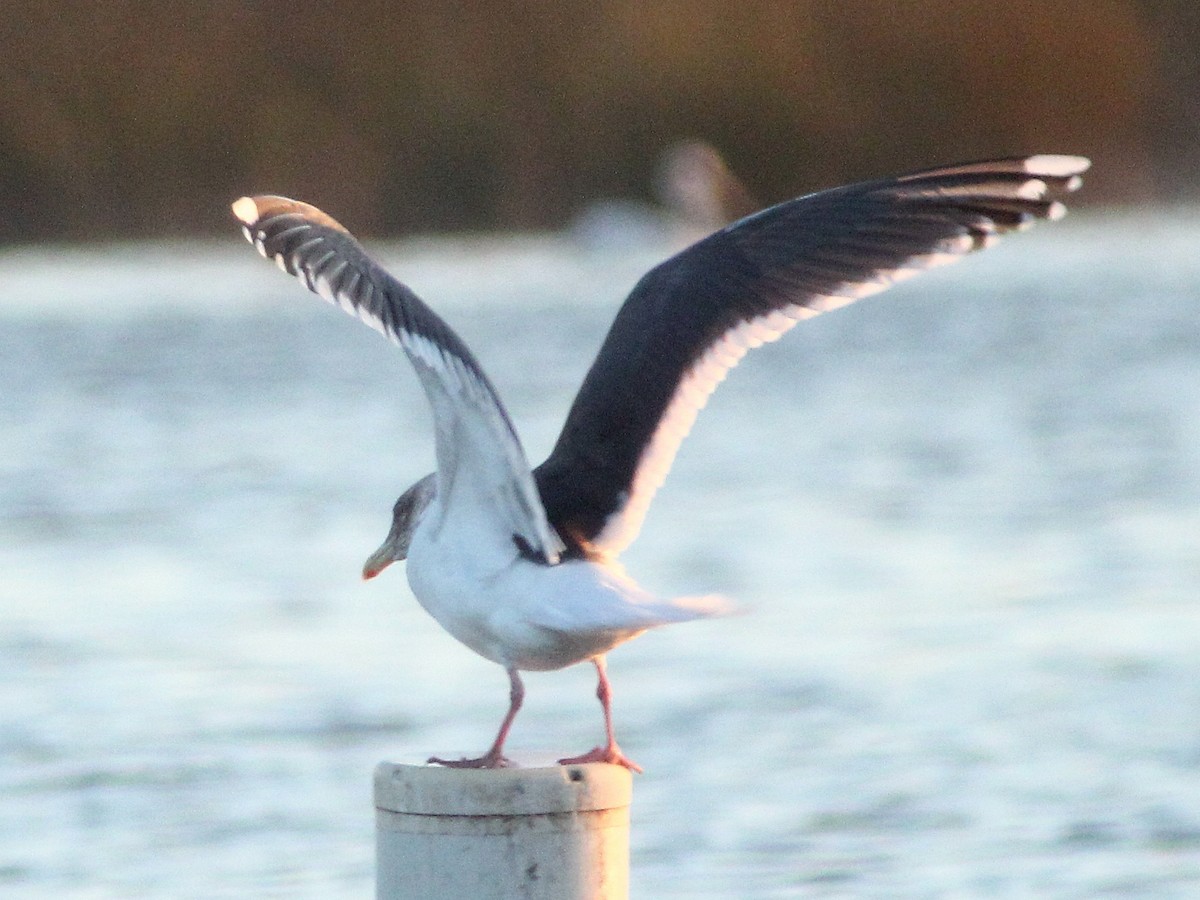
[405, 516]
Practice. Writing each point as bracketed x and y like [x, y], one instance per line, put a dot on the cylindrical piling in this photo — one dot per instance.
[557, 832]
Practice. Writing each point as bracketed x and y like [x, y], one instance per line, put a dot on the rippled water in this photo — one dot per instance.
[963, 517]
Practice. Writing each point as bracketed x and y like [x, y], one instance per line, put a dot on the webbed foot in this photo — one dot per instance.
[489, 760]
[611, 754]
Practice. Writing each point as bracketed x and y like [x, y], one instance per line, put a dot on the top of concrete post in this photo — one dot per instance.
[433, 790]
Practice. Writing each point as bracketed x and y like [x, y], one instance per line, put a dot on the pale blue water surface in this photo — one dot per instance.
[964, 517]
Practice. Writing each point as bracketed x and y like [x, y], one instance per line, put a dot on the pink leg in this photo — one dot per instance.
[610, 752]
[494, 758]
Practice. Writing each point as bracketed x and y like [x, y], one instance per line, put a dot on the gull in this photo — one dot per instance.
[520, 564]
[696, 194]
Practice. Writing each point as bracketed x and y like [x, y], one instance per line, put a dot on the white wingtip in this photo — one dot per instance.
[246, 210]
[1057, 166]
[1033, 189]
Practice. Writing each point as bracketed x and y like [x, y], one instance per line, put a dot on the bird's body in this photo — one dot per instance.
[526, 615]
[520, 564]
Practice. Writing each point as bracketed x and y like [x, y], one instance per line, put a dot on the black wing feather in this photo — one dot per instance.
[798, 258]
[472, 429]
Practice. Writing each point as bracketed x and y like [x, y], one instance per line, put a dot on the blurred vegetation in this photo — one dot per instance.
[131, 118]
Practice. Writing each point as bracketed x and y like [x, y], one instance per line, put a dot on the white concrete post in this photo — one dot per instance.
[554, 832]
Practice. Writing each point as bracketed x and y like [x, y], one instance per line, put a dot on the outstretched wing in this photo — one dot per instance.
[482, 470]
[692, 318]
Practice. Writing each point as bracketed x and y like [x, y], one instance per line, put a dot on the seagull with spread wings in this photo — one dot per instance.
[520, 563]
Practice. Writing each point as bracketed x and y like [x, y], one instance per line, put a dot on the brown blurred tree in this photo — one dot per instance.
[144, 119]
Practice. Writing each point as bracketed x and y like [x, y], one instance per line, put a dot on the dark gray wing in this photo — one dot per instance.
[692, 318]
[482, 470]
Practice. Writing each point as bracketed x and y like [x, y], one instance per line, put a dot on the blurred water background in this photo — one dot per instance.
[964, 518]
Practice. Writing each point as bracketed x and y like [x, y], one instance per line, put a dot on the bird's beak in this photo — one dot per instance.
[378, 561]
[395, 545]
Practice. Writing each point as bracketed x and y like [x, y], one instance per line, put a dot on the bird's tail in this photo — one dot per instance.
[685, 609]
[606, 598]
[653, 613]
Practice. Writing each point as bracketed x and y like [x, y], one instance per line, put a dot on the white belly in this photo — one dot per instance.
[527, 615]
[510, 610]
